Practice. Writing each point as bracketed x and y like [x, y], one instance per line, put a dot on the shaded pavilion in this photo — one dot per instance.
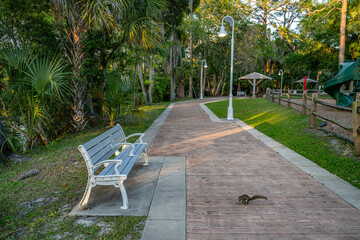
[254, 77]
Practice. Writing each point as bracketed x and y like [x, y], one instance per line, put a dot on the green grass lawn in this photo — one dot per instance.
[62, 178]
[292, 129]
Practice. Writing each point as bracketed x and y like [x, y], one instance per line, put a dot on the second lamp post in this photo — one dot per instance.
[201, 77]
[223, 33]
[281, 72]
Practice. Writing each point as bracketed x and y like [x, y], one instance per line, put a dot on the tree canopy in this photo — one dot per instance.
[117, 55]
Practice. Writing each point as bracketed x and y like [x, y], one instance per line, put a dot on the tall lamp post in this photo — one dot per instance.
[201, 77]
[223, 33]
[281, 72]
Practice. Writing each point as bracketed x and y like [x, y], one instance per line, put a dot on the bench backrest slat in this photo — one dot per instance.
[112, 139]
[101, 137]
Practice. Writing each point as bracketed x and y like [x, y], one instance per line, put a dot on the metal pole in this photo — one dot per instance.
[201, 78]
[230, 115]
[254, 88]
[222, 33]
[282, 74]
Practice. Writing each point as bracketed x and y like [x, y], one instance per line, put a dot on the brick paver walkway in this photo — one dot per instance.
[223, 161]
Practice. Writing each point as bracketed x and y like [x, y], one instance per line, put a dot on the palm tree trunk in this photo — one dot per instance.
[79, 86]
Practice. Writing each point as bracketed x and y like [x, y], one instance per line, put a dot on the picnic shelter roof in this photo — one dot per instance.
[255, 75]
[308, 80]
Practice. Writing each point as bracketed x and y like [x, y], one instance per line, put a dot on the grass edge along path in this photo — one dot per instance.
[60, 185]
[291, 129]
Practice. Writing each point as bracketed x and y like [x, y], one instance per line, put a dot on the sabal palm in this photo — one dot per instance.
[36, 88]
[116, 94]
[143, 27]
[75, 18]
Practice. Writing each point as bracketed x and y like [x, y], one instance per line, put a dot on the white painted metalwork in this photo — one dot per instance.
[98, 152]
[223, 33]
[201, 77]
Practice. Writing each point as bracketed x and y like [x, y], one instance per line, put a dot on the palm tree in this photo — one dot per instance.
[117, 93]
[36, 88]
[74, 19]
[143, 28]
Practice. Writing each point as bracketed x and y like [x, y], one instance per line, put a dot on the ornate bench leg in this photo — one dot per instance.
[146, 158]
[84, 201]
[123, 194]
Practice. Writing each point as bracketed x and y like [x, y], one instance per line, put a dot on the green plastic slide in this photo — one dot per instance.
[348, 70]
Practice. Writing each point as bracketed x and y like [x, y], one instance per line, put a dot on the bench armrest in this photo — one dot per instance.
[122, 144]
[136, 134]
[118, 163]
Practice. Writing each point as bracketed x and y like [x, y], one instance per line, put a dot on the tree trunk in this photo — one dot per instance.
[191, 53]
[180, 80]
[42, 134]
[151, 81]
[78, 85]
[222, 90]
[90, 104]
[134, 83]
[342, 31]
[172, 83]
[218, 85]
[140, 73]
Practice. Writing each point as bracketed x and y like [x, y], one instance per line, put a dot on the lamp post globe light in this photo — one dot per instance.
[223, 33]
[201, 77]
[281, 72]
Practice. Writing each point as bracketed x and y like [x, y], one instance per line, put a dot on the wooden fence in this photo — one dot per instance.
[310, 103]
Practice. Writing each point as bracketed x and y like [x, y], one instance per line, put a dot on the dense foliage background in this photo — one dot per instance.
[65, 62]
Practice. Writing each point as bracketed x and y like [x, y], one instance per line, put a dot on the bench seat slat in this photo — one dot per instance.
[130, 163]
[127, 164]
[109, 170]
[110, 167]
[106, 152]
[101, 137]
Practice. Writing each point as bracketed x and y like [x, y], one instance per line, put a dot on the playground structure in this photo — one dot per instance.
[348, 71]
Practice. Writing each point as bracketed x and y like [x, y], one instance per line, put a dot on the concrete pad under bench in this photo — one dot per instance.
[140, 185]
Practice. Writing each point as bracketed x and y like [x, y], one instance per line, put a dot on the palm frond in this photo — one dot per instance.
[48, 77]
[104, 13]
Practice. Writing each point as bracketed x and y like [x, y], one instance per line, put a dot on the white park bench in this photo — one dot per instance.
[105, 169]
[240, 94]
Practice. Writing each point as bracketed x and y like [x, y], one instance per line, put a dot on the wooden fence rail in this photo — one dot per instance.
[273, 95]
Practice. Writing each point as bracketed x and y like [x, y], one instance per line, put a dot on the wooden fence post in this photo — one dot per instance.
[356, 124]
[289, 99]
[272, 95]
[268, 94]
[304, 103]
[313, 110]
[279, 100]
